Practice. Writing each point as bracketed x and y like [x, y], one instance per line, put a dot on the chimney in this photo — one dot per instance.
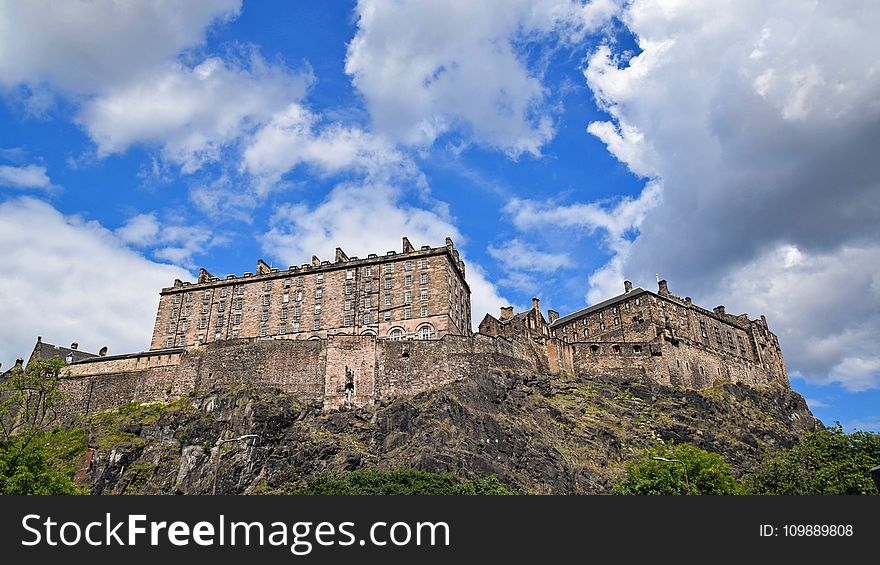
[536, 306]
[687, 300]
[662, 288]
[719, 310]
[627, 286]
[449, 243]
[204, 275]
[103, 352]
[407, 246]
[506, 313]
[74, 345]
[553, 314]
[315, 261]
[39, 339]
[341, 257]
[262, 267]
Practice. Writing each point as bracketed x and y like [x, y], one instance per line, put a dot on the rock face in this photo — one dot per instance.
[538, 433]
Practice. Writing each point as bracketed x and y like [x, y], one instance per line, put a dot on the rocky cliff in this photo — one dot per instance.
[537, 433]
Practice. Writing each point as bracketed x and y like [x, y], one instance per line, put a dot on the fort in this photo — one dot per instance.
[353, 332]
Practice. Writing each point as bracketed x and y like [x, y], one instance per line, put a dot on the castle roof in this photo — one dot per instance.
[45, 351]
[598, 306]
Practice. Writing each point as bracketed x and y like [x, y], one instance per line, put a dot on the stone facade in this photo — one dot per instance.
[367, 348]
[416, 294]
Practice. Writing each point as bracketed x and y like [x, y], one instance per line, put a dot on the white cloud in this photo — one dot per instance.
[73, 280]
[190, 113]
[291, 139]
[428, 67]
[28, 176]
[365, 219]
[171, 241]
[84, 47]
[863, 425]
[814, 403]
[761, 122]
[517, 255]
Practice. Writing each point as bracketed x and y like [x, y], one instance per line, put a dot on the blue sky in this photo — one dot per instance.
[564, 145]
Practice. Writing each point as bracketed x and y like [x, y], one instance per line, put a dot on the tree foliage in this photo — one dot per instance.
[689, 471]
[28, 400]
[827, 461]
[399, 482]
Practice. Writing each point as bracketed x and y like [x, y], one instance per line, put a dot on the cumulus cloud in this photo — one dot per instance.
[84, 47]
[426, 68]
[365, 219]
[28, 176]
[171, 241]
[761, 122]
[73, 280]
[296, 136]
[191, 114]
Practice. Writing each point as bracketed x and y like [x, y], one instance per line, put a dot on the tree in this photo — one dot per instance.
[399, 482]
[827, 461]
[28, 398]
[687, 470]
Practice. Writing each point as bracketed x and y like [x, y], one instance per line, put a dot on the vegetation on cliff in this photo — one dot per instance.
[680, 469]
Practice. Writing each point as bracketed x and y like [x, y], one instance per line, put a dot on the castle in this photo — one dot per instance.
[354, 331]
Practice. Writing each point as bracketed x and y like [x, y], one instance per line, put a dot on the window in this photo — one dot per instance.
[349, 274]
[368, 286]
[319, 278]
[189, 297]
[171, 327]
[219, 320]
[637, 348]
[316, 324]
[718, 336]
[730, 341]
[239, 289]
[319, 293]
[300, 280]
[236, 304]
[297, 311]
[174, 313]
[616, 321]
[615, 348]
[284, 313]
[601, 325]
[264, 317]
[387, 300]
[221, 307]
[408, 266]
[638, 301]
[387, 283]
[169, 342]
[184, 325]
[264, 330]
[348, 305]
[267, 286]
[317, 309]
[282, 328]
[217, 336]
[368, 318]
[396, 334]
[286, 283]
[423, 264]
[299, 296]
[207, 295]
[742, 345]
[389, 268]
[407, 280]
[285, 298]
[203, 323]
[387, 315]
[368, 302]
[348, 288]
[586, 332]
[346, 320]
[426, 332]
[407, 313]
[407, 297]
[234, 333]
[423, 278]
[423, 295]
[177, 299]
[223, 291]
[236, 319]
[424, 312]
[594, 349]
[265, 300]
[296, 326]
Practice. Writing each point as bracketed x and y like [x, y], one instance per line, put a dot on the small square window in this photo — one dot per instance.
[407, 280]
[423, 278]
[424, 294]
[368, 318]
[408, 266]
[368, 286]
[317, 309]
[286, 283]
[267, 286]
[349, 274]
[369, 271]
[368, 302]
[319, 292]
[407, 297]
[387, 283]
[316, 324]
[389, 268]
[346, 320]
[424, 311]
[223, 291]
[300, 280]
[387, 300]
[319, 278]
[348, 288]
[423, 264]
[264, 331]
[236, 320]
[285, 298]
[265, 300]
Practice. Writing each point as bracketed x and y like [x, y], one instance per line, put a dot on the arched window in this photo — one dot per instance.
[396, 334]
[637, 348]
[426, 332]
[368, 332]
[615, 348]
[594, 349]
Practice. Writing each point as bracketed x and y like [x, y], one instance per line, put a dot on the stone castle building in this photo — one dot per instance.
[356, 331]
